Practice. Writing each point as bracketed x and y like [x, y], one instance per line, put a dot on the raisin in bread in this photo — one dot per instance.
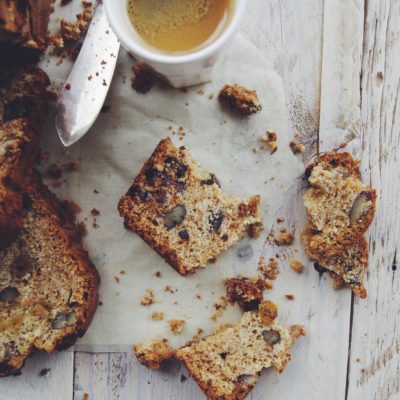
[48, 286]
[227, 364]
[23, 106]
[181, 212]
[23, 29]
[340, 209]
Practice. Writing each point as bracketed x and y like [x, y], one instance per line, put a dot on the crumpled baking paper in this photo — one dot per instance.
[111, 155]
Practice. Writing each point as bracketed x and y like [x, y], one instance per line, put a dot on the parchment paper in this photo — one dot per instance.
[113, 152]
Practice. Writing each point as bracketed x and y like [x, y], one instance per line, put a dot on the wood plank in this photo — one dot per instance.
[289, 35]
[56, 384]
[118, 376]
[340, 117]
[375, 335]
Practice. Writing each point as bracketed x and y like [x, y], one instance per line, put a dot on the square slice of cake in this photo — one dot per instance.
[181, 212]
[226, 365]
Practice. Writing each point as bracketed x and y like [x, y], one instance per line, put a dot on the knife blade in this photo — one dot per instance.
[82, 96]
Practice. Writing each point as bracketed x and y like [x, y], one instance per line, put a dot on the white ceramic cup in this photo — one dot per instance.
[179, 70]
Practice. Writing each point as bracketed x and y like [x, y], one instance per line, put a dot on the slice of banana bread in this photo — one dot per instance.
[23, 106]
[340, 209]
[48, 286]
[181, 212]
[227, 364]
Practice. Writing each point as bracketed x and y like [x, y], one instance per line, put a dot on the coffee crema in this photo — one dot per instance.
[179, 26]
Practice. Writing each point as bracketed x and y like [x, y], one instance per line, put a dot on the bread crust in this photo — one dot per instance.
[60, 320]
[23, 107]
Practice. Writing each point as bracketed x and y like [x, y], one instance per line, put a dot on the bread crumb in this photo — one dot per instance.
[198, 296]
[153, 352]
[169, 289]
[269, 270]
[247, 292]
[254, 230]
[54, 171]
[95, 212]
[284, 238]
[219, 307]
[157, 316]
[116, 279]
[289, 297]
[297, 266]
[157, 274]
[239, 99]
[296, 147]
[269, 136]
[280, 220]
[267, 312]
[143, 79]
[176, 325]
[85, 396]
[148, 298]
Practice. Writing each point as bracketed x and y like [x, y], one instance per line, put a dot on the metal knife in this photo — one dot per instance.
[82, 96]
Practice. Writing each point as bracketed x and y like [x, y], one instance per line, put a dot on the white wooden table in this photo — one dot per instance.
[330, 82]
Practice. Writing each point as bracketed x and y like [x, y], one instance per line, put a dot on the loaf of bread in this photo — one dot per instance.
[340, 209]
[181, 212]
[23, 107]
[227, 364]
[48, 286]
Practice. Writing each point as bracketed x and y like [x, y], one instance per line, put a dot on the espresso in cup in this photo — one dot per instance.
[179, 26]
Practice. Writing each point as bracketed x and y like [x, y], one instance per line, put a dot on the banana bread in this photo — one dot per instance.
[48, 286]
[181, 212]
[340, 209]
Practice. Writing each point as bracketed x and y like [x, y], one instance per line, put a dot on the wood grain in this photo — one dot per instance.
[375, 345]
[36, 384]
